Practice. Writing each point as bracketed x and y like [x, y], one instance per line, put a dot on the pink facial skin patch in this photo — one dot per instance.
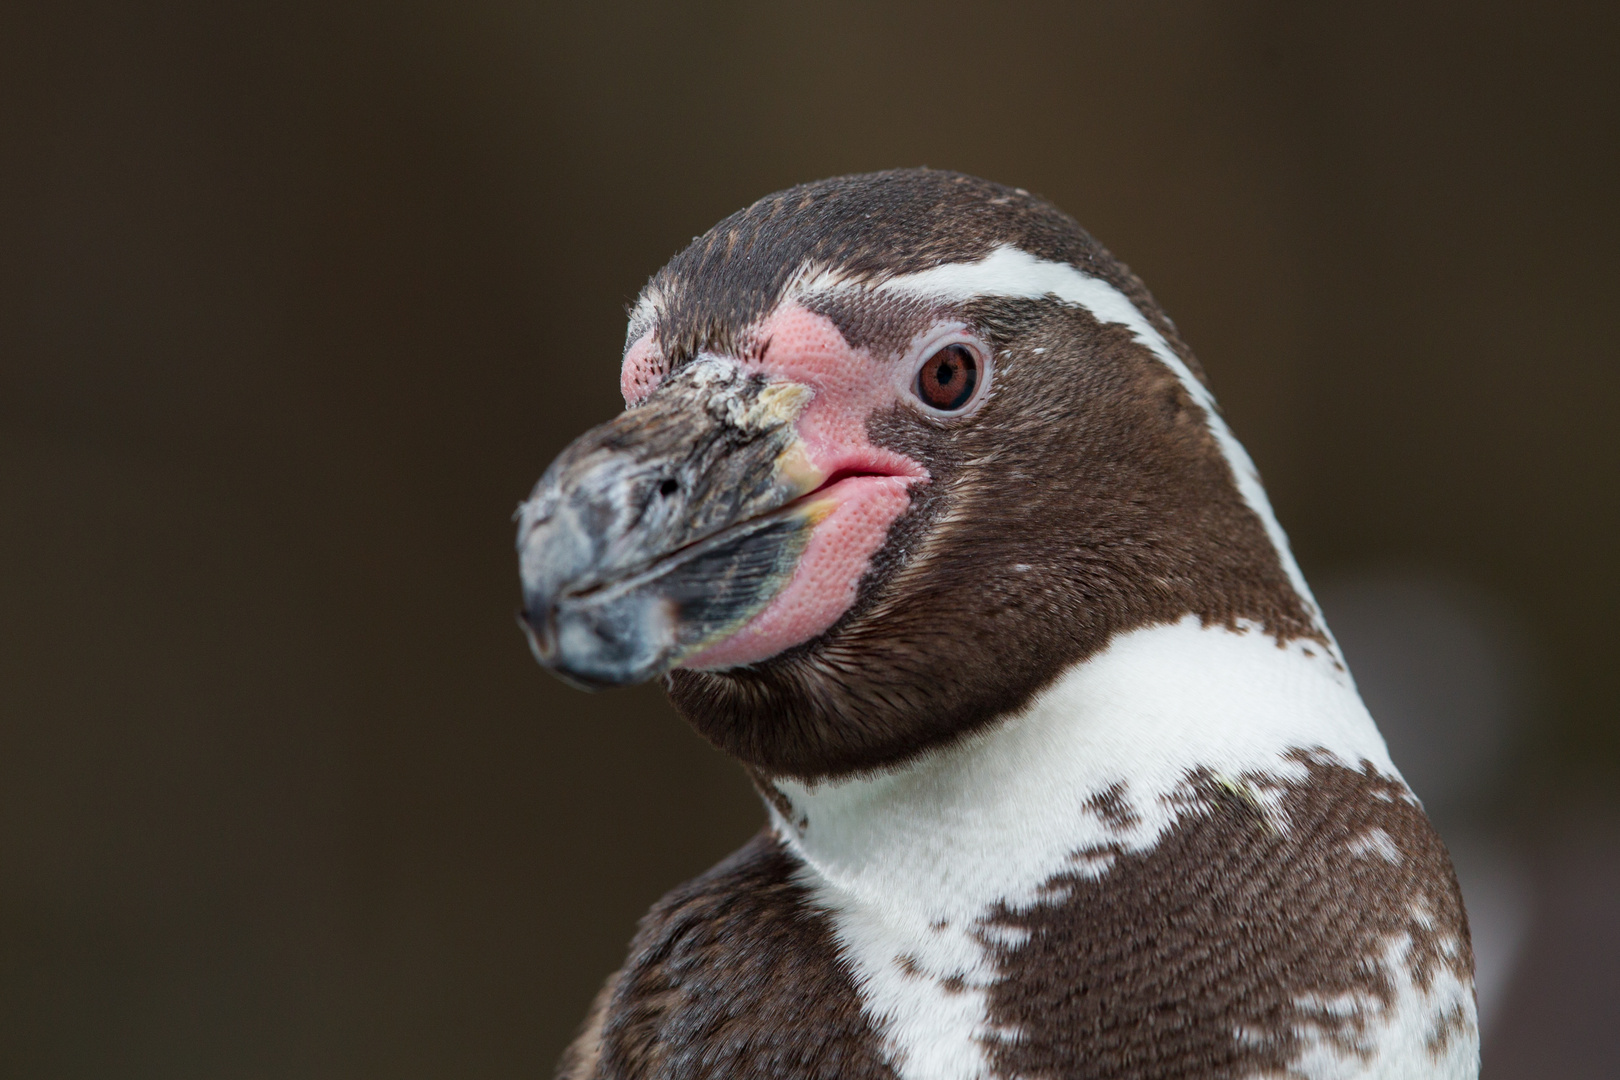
[858, 512]
[866, 487]
[850, 386]
[643, 369]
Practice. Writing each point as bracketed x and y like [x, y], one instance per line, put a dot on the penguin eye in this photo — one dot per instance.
[948, 378]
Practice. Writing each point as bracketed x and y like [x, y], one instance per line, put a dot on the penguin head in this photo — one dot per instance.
[898, 449]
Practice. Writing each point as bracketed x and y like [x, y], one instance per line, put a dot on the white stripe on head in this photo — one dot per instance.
[1014, 273]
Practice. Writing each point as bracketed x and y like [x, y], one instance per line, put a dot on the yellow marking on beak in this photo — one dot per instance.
[775, 406]
[817, 510]
[784, 399]
[796, 470]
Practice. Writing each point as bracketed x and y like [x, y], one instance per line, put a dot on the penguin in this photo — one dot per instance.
[922, 509]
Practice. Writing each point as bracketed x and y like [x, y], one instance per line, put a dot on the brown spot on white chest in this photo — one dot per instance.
[1232, 946]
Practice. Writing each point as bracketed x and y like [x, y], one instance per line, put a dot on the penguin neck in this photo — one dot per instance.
[1095, 762]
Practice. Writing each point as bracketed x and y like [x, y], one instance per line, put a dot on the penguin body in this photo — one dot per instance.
[925, 513]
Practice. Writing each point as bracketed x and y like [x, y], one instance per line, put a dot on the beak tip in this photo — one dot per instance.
[541, 632]
[590, 652]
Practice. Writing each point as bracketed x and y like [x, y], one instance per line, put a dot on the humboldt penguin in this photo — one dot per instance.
[922, 509]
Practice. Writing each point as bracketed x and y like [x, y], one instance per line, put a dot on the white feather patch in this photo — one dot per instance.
[909, 862]
[1429, 1032]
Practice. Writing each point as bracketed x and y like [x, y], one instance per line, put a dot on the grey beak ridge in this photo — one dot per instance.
[664, 530]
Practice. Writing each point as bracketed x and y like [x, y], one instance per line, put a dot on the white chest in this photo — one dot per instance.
[911, 864]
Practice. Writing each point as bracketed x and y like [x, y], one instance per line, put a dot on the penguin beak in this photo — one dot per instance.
[666, 529]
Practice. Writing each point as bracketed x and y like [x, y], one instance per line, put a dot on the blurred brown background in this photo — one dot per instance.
[297, 300]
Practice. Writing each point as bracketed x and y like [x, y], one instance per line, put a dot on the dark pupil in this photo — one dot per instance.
[948, 378]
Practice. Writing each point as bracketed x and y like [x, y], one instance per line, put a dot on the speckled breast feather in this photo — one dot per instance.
[1105, 886]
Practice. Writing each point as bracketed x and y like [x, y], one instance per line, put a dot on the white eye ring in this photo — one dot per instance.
[950, 374]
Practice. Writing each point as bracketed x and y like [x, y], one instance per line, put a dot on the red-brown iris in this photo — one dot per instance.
[948, 378]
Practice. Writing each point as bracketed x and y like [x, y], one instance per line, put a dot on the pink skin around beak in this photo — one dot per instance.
[863, 488]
